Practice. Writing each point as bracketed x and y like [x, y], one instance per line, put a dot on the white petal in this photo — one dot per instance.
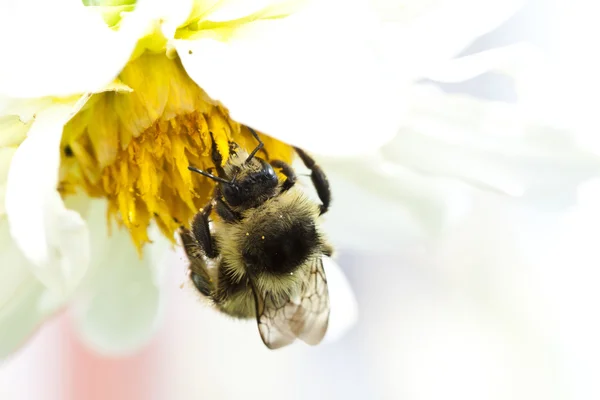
[12, 132]
[507, 59]
[171, 14]
[24, 302]
[231, 10]
[572, 72]
[415, 46]
[489, 144]
[25, 312]
[12, 267]
[53, 238]
[312, 79]
[23, 109]
[61, 47]
[344, 307]
[6, 155]
[379, 206]
[13, 270]
[119, 305]
[412, 186]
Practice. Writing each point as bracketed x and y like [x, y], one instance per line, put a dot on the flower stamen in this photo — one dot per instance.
[134, 147]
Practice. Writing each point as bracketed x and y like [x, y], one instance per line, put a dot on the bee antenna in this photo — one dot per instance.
[208, 175]
[257, 149]
[235, 174]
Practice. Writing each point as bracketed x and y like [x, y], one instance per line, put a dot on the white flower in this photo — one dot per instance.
[422, 181]
[307, 74]
[53, 255]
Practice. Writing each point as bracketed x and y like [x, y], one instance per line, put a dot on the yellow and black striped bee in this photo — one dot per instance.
[266, 246]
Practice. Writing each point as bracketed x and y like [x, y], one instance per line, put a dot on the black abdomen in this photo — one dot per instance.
[282, 248]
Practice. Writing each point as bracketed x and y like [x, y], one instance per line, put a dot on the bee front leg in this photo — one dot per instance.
[222, 208]
[289, 173]
[318, 178]
[201, 232]
[197, 244]
[198, 269]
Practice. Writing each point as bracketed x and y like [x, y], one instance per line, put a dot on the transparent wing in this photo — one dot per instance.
[281, 320]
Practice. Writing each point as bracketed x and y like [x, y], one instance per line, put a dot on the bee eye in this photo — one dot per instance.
[269, 171]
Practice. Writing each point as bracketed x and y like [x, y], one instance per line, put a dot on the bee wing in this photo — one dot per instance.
[281, 320]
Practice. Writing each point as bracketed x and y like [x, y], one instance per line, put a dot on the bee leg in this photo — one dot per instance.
[226, 213]
[198, 271]
[318, 178]
[288, 172]
[201, 232]
[222, 209]
[266, 153]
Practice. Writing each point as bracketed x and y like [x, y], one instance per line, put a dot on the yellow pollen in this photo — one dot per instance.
[262, 237]
[133, 147]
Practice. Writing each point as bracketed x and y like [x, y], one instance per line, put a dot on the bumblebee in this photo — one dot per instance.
[266, 247]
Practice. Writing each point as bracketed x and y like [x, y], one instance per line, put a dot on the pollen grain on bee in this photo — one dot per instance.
[247, 234]
[262, 237]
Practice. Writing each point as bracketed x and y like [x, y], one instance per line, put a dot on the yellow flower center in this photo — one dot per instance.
[132, 145]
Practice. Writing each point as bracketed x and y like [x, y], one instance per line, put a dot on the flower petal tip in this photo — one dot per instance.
[344, 307]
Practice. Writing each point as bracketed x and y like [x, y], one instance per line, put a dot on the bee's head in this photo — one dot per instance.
[282, 246]
[253, 181]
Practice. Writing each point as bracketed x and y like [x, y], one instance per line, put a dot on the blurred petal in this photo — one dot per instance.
[488, 144]
[171, 14]
[54, 239]
[118, 309]
[301, 81]
[22, 109]
[61, 47]
[13, 267]
[5, 158]
[231, 10]
[344, 307]
[12, 132]
[379, 205]
[419, 182]
[24, 303]
[437, 31]
[23, 314]
[507, 59]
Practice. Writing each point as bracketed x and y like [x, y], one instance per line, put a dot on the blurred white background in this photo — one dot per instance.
[500, 304]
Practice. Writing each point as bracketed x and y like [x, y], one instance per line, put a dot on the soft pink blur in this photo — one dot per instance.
[54, 364]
